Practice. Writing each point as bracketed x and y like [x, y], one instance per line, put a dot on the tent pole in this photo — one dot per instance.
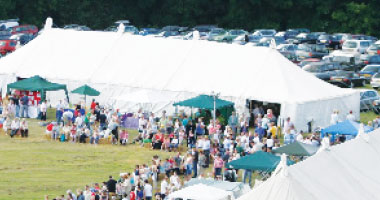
[214, 110]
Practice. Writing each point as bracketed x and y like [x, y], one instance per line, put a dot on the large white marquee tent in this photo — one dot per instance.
[115, 63]
[346, 171]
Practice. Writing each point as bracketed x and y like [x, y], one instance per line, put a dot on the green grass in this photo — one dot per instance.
[33, 167]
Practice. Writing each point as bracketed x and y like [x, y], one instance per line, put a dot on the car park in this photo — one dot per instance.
[149, 31]
[323, 70]
[342, 37]
[216, 34]
[131, 29]
[77, 27]
[347, 79]
[299, 30]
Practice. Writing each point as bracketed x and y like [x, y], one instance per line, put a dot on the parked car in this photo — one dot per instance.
[8, 23]
[205, 28]
[265, 32]
[322, 70]
[77, 27]
[356, 45]
[374, 49]
[299, 30]
[342, 37]
[266, 41]
[347, 79]
[368, 71]
[149, 31]
[375, 59]
[288, 50]
[375, 81]
[28, 29]
[7, 46]
[307, 61]
[111, 29]
[368, 99]
[22, 38]
[216, 34]
[167, 34]
[311, 51]
[5, 35]
[232, 34]
[329, 41]
[287, 34]
[131, 29]
[364, 37]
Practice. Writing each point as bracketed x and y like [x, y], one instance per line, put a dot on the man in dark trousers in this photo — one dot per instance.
[195, 155]
[111, 186]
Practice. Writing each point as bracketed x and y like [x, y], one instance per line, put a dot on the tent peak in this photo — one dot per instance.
[48, 23]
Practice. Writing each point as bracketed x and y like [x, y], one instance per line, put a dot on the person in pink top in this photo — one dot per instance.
[218, 165]
[124, 137]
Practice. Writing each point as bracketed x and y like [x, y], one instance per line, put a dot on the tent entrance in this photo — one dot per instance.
[264, 106]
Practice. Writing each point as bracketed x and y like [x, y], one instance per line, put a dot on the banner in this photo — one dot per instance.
[131, 123]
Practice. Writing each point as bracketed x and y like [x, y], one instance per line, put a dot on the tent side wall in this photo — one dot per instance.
[319, 112]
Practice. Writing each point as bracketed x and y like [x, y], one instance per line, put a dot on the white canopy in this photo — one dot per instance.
[346, 171]
[116, 63]
[201, 192]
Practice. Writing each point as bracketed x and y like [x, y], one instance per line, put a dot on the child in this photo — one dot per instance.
[124, 137]
[15, 126]
[73, 133]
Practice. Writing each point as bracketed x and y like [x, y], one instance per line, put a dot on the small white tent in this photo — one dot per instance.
[201, 192]
[346, 171]
[116, 63]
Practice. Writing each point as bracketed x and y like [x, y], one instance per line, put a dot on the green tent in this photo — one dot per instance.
[260, 160]
[297, 149]
[86, 90]
[36, 83]
[204, 102]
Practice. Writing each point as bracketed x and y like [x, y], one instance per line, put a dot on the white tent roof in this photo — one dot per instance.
[201, 192]
[146, 96]
[167, 64]
[346, 171]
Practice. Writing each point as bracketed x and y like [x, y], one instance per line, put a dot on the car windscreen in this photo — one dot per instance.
[371, 68]
[324, 37]
[350, 44]
[2, 43]
[304, 47]
[374, 47]
[267, 32]
[377, 75]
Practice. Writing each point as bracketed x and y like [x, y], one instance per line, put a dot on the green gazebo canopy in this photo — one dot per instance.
[86, 90]
[204, 102]
[297, 149]
[37, 83]
[260, 160]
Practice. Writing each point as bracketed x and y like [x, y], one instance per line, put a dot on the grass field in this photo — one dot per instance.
[33, 167]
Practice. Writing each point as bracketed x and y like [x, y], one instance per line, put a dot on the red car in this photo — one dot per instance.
[28, 29]
[7, 46]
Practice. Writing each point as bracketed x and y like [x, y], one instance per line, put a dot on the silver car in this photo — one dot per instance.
[369, 99]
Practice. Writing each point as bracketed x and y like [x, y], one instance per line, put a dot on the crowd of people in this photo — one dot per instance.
[201, 146]
[14, 112]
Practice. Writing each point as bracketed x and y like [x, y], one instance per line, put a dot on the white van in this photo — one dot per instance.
[9, 23]
[356, 45]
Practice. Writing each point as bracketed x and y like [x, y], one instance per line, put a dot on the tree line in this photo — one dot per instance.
[318, 15]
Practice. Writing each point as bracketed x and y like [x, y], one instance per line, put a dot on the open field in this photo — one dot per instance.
[33, 167]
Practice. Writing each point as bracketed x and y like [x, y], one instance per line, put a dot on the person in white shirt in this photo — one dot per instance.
[334, 117]
[287, 125]
[148, 191]
[15, 126]
[164, 187]
[270, 142]
[227, 142]
[350, 116]
[43, 109]
[79, 120]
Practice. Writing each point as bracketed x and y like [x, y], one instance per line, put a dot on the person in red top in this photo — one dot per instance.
[93, 104]
[158, 140]
[132, 195]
